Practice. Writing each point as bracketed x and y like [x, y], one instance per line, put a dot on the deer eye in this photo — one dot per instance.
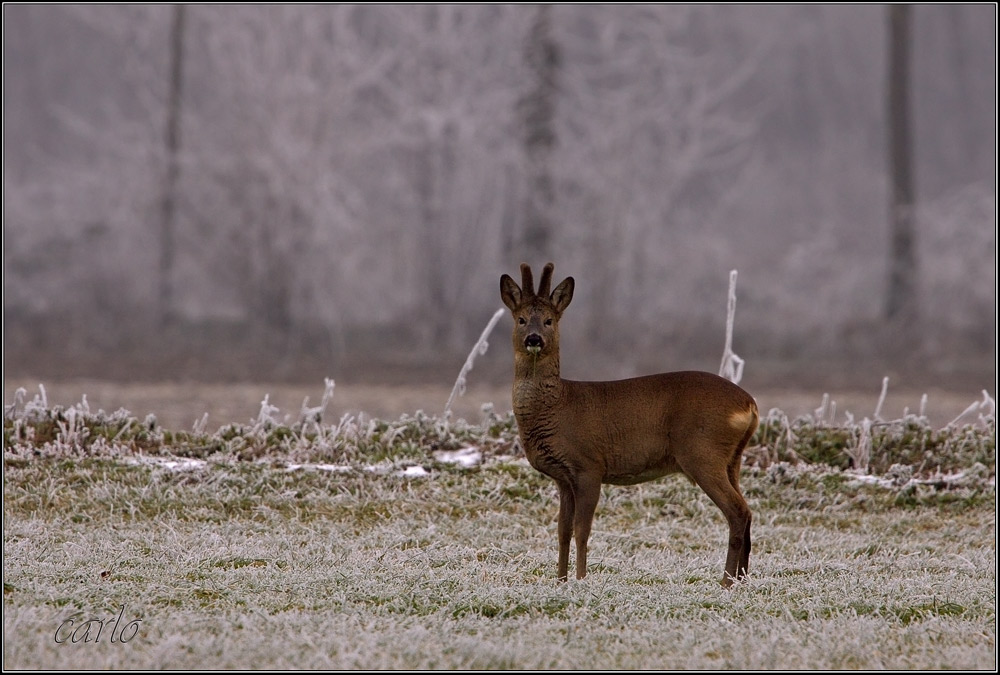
[548, 322]
[521, 320]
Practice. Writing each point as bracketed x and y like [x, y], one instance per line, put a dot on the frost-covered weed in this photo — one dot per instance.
[732, 365]
[479, 348]
[873, 446]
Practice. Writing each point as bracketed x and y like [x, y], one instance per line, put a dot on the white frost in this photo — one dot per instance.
[169, 463]
[467, 457]
[335, 468]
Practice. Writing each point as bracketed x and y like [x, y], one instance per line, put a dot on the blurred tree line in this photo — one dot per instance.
[247, 191]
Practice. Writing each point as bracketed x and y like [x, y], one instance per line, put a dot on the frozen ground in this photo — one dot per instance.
[423, 544]
[248, 565]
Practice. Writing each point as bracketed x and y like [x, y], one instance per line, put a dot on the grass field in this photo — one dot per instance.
[360, 544]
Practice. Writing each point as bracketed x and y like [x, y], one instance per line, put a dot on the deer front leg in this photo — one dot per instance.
[567, 507]
[587, 492]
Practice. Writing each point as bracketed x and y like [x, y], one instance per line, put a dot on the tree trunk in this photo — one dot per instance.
[173, 145]
[537, 112]
[901, 306]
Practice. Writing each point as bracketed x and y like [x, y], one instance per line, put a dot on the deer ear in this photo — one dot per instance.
[510, 293]
[562, 295]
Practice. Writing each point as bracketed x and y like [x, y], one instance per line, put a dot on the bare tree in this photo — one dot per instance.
[649, 138]
[347, 137]
[449, 133]
[269, 204]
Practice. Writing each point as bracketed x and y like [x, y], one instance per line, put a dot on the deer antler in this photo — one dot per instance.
[546, 282]
[527, 281]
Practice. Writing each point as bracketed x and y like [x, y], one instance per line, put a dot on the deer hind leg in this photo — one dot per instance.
[567, 509]
[734, 480]
[718, 484]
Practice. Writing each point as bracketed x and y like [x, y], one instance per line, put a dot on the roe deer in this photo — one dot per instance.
[583, 434]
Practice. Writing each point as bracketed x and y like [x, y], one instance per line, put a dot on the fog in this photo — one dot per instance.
[292, 192]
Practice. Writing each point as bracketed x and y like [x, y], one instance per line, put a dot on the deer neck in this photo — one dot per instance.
[537, 387]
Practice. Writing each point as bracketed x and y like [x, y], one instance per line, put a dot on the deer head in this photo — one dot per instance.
[536, 315]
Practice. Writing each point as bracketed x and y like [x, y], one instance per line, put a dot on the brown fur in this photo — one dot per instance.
[583, 434]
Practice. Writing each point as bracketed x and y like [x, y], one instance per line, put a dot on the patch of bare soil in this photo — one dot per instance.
[179, 405]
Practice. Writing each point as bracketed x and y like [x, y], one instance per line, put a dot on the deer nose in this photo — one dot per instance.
[534, 342]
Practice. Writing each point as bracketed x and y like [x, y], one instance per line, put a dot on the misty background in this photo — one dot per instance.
[291, 192]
